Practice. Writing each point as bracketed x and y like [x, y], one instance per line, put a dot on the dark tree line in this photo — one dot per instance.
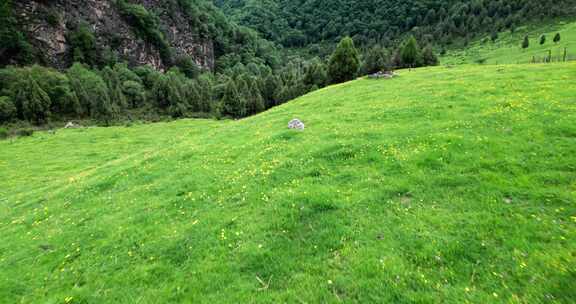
[38, 94]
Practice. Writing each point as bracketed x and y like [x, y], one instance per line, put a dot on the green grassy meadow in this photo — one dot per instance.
[443, 185]
[507, 49]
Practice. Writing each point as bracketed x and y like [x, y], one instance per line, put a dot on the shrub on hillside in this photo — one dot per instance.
[83, 45]
[187, 66]
[376, 60]
[3, 133]
[7, 109]
[146, 25]
[25, 132]
[428, 57]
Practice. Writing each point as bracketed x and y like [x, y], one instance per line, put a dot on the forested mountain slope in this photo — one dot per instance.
[297, 23]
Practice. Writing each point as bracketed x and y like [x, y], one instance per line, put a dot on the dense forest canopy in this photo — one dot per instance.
[297, 23]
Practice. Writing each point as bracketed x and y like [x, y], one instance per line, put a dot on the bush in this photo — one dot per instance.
[25, 132]
[376, 60]
[187, 66]
[83, 45]
[3, 133]
[146, 26]
[7, 109]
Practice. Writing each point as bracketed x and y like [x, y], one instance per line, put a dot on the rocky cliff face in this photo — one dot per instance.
[47, 23]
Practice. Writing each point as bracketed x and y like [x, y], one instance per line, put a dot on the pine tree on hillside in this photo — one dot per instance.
[542, 39]
[344, 62]
[557, 38]
[526, 42]
[410, 53]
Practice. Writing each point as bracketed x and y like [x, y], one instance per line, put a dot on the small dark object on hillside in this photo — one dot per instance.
[385, 75]
[3, 133]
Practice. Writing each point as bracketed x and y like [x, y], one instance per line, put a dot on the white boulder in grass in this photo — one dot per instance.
[296, 124]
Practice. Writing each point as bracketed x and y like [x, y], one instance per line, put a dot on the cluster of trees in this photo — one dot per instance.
[408, 55]
[308, 23]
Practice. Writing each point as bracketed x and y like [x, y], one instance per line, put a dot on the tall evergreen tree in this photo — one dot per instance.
[542, 39]
[557, 38]
[344, 62]
[410, 53]
[525, 42]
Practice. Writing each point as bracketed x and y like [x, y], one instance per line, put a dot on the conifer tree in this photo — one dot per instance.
[410, 53]
[526, 42]
[344, 62]
[557, 38]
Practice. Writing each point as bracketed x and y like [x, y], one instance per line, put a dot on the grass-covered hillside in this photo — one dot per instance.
[443, 185]
[507, 48]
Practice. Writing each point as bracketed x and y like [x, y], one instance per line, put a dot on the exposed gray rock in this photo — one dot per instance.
[296, 124]
[385, 75]
[111, 30]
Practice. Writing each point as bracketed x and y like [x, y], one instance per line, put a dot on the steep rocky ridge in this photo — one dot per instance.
[48, 23]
